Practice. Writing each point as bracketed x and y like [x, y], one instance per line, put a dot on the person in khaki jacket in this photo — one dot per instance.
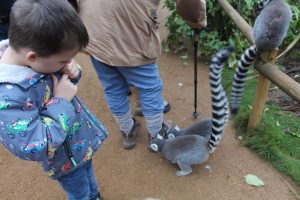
[124, 45]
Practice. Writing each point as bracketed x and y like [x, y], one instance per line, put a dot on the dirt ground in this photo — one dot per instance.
[139, 174]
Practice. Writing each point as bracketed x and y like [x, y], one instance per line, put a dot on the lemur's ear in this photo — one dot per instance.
[154, 147]
[262, 4]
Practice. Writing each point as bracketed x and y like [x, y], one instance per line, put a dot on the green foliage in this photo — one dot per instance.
[295, 23]
[271, 142]
[220, 30]
[276, 138]
[179, 31]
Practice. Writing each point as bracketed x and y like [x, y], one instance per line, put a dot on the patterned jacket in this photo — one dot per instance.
[34, 124]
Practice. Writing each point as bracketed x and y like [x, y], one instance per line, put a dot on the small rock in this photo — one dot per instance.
[208, 168]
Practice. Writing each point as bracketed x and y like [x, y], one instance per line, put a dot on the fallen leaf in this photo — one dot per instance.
[277, 123]
[253, 180]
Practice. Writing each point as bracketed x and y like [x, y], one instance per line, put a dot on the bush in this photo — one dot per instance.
[220, 30]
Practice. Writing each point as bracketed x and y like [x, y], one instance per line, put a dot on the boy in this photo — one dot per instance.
[41, 118]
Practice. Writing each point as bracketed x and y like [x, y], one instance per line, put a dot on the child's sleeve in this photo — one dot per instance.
[34, 133]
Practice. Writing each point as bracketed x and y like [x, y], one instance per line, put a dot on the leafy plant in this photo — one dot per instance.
[179, 31]
[220, 30]
[294, 28]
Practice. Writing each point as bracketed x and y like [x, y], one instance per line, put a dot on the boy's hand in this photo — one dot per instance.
[72, 70]
[63, 88]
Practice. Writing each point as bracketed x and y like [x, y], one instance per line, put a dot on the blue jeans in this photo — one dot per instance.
[116, 82]
[3, 31]
[80, 184]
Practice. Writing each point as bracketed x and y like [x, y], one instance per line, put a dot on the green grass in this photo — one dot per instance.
[276, 139]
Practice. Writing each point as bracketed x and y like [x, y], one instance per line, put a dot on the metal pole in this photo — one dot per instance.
[195, 45]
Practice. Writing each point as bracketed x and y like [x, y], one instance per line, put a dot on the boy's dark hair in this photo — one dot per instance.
[46, 26]
[75, 5]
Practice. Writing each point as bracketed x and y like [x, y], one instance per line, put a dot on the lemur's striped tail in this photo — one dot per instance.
[220, 111]
[238, 84]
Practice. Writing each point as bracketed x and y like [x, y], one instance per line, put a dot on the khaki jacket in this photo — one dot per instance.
[122, 32]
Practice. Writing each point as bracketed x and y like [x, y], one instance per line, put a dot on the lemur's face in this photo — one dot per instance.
[262, 3]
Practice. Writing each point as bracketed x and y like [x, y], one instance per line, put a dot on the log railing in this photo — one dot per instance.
[268, 71]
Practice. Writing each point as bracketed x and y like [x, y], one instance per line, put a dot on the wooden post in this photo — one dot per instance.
[262, 89]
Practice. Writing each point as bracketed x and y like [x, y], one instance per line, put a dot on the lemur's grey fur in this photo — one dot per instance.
[271, 25]
[202, 128]
[270, 28]
[262, 4]
[198, 141]
[183, 150]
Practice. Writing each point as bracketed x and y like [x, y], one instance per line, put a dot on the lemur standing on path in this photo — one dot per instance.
[187, 150]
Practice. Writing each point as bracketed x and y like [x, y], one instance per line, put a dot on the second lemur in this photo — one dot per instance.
[270, 28]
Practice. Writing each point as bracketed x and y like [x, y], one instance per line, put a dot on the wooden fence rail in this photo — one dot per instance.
[268, 72]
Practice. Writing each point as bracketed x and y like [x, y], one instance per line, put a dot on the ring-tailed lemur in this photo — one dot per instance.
[187, 150]
[262, 4]
[270, 28]
[202, 128]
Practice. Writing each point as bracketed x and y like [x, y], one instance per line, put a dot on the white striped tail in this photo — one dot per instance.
[220, 113]
[238, 84]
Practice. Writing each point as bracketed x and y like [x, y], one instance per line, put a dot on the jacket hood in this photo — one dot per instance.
[13, 73]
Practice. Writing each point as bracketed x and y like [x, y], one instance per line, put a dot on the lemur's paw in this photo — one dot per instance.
[183, 173]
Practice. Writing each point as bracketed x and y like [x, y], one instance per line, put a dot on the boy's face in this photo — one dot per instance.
[51, 63]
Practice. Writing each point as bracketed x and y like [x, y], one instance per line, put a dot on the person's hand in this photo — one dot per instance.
[63, 88]
[198, 25]
[193, 12]
[72, 70]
